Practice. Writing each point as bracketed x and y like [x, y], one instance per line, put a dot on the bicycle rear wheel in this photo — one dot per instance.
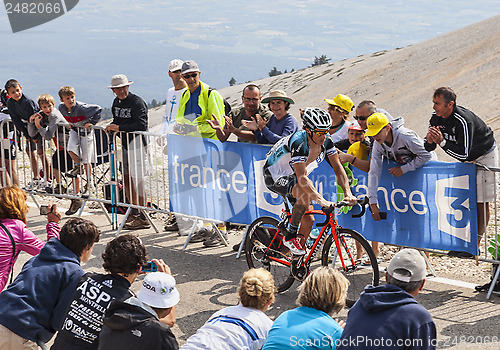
[358, 274]
[260, 252]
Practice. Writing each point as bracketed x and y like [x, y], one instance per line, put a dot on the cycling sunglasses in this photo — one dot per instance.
[321, 133]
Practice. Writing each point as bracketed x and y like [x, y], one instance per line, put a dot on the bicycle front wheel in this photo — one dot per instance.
[354, 258]
[263, 248]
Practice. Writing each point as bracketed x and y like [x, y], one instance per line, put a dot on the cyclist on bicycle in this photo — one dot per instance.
[287, 167]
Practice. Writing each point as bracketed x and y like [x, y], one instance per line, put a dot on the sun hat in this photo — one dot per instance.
[355, 126]
[409, 260]
[375, 123]
[277, 95]
[175, 65]
[158, 290]
[189, 66]
[119, 80]
[342, 101]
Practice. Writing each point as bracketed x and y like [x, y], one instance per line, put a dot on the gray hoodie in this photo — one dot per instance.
[407, 150]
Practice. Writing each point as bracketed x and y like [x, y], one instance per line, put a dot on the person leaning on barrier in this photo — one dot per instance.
[135, 323]
[339, 108]
[311, 326]
[199, 104]
[467, 138]
[130, 113]
[8, 150]
[389, 315]
[15, 235]
[32, 308]
[122, 260]
[244, 326]
[252, 109]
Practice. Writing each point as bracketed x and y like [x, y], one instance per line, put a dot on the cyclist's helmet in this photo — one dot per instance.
[316, 119]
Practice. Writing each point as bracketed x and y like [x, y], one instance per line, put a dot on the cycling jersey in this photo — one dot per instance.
[294, 149]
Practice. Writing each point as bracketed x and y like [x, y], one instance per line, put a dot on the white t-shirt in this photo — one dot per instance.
[171, 107]
[234, 327]
[342, 133]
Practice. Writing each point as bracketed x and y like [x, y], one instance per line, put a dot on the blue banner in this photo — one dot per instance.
[432, 207]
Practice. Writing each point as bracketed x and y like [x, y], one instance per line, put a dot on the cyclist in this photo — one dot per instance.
[287, 167]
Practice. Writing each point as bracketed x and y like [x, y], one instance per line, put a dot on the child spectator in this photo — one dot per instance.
[310, 326]
[21, 109]
[135, 323]
[123, 259]
[14, 235]
[396, 143]
[33, 307]
[8, 150]
[81, 141]
[45, 123]
[244, 326]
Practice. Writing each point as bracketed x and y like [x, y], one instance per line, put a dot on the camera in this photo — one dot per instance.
[149, 267]
[44, 209]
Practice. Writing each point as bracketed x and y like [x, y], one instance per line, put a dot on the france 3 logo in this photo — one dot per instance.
[26, 14]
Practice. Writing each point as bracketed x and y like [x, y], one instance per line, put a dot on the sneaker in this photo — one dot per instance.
[294, 246]
[213, 241]
[138, 224]
[130, 218]
[171, 225]
[77, 170]
[201, 235]
[60, 189]
[75, 205]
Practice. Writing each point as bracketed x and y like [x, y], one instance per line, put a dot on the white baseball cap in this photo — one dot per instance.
[410, 260]
[158, 290]
[175, 65]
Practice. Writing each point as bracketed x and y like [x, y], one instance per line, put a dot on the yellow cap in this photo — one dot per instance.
[359, 150]
[342, 101]
[375, 123]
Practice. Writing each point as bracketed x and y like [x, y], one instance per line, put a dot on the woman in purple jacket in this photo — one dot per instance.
[14, 235]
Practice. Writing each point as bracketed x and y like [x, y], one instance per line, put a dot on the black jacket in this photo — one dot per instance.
[467, 136]
[129, 326]
[21, 111]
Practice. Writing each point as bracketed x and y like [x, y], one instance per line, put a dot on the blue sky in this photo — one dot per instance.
[241, 39]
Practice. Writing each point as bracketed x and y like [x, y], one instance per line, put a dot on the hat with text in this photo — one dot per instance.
[411, 261]
[158, 290]
[119, 80]
[355, 126]
[375, 123]
[342, 101]
[278, 95]
[189, 66]
[175, 65]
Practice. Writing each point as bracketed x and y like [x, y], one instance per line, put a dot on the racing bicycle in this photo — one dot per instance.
[341, 248]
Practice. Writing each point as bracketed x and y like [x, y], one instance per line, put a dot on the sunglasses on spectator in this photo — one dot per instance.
[192, 75]
[360, 118]
[321, 133]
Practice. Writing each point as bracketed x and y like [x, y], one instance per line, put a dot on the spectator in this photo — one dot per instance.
[130, 113]
[135, 323]
[467, 138]
[21, 108]
[389, 315]
[244, 326]
[199, 104]
[14, 235]
[365, 109]
[172, 106]
[46, 123]
[279, 125]
[251, 108]
[355, 133]
[311, 326]
[8, 149]
[339, 108]
[81, 141]
[394, 142]
[123, 259]
[33, 307]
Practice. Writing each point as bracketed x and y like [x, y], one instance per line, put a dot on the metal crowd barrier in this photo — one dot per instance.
[128, 170]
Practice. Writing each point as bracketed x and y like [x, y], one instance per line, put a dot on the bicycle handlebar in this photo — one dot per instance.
[329, 210]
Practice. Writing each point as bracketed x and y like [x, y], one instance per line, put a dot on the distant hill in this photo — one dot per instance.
[402, 80]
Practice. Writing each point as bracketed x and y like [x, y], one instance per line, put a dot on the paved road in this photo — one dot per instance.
[207, 280]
